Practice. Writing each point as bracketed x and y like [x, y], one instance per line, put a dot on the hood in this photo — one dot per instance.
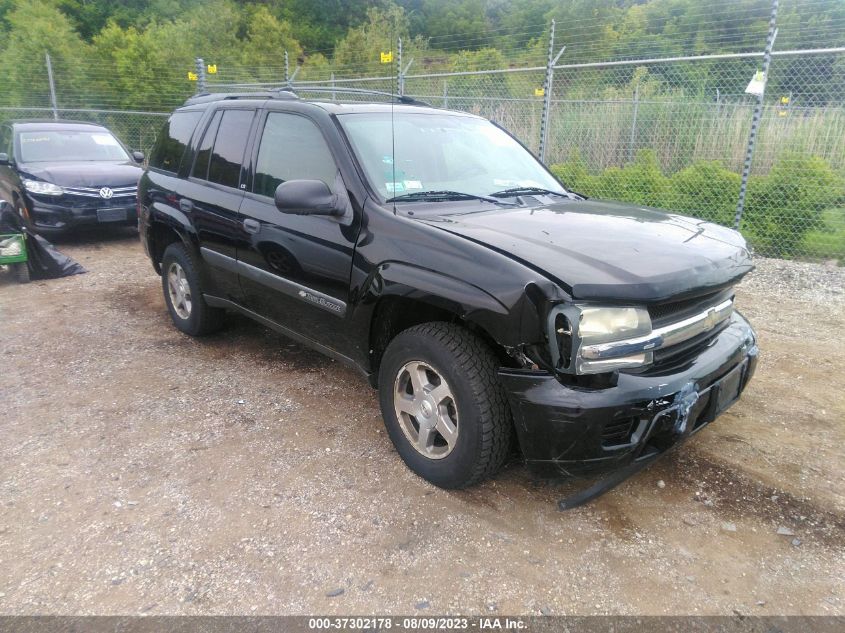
[84, 173]
[610, 251]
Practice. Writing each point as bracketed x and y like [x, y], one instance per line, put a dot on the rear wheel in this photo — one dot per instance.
[443, 406]
[180, 281]
[21, 272]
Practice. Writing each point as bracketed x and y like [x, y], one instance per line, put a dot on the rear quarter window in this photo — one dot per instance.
[173, 140]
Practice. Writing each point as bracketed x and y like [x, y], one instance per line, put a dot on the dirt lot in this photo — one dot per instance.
[142, 471]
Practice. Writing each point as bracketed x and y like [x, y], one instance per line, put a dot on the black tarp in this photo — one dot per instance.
[44, 262]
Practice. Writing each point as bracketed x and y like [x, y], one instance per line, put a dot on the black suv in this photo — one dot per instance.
[435, 254]
[59, 175]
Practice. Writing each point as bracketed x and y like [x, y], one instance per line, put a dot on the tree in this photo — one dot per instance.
[36, 28]
[267, 39]
[359, 50]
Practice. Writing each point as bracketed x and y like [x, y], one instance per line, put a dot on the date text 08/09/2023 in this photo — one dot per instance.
[417, 623]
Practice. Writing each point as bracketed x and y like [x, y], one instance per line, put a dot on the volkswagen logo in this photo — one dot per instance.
[106, 193]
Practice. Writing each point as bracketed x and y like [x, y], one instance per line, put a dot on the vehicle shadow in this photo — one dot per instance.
[95, 236]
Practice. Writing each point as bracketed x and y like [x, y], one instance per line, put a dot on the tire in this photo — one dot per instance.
[187, 307]
[475, 414]
[21, 271]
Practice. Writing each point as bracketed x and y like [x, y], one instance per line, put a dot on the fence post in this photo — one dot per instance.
[400, 79]
[634, 121]
[287, 70]
[334, 96]
[445, 93]
[200, 75]
[758, 113]
[52, 86]
[547, 93]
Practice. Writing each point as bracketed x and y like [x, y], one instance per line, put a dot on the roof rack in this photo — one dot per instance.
[290, 92]
[208, 97]
[362, 91]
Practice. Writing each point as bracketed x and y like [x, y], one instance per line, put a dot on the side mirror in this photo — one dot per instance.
[138, 157]
[4, 158]
[306, 197]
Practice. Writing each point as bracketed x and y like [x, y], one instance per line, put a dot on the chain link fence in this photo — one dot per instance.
[668, 132]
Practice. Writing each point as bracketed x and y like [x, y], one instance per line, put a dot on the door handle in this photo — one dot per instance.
[252, 226]
[186, 205]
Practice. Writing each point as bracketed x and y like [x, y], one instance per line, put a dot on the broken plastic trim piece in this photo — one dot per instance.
[605, 485]
[684, 402]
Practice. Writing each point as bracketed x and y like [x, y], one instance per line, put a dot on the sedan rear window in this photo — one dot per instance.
[70, 145]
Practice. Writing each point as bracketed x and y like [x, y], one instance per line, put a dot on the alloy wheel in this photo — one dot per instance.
[179, 290]
[426, 409]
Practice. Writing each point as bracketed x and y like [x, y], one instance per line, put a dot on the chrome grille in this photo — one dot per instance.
[666, 336]
[94, 192]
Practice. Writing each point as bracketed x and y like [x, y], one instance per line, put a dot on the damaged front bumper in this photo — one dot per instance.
[567, 431]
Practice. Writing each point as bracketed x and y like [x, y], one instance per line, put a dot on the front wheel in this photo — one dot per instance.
[180, 281]
[443, 406]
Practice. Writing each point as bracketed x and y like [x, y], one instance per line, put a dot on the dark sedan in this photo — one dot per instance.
[60, 175]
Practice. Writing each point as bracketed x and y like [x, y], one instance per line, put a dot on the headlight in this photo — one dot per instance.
[11, 247]
[576, 327]
[43, 188]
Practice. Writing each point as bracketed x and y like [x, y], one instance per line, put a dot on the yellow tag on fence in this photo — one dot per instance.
[212, 69]
[192, 76]
[539, 92]
[387, 57]
[784, 100]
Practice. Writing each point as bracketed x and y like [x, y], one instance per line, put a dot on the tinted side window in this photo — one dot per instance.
[200, 169]
[227, 157]
[172, 141]
[292, 147]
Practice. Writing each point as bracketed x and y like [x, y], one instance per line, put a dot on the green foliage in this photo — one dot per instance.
[827, 242]
[36, 28]
[788, 202]
[784, 209]
[92, 40]
[360, 47]
[642, 180]
[705, 189]
[267, 38]
[444, 18]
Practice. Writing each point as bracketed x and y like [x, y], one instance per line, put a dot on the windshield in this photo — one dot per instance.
[441, 152]
[70, 145]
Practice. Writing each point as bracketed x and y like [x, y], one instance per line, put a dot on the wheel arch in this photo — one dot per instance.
[166, 227]
[406, 296]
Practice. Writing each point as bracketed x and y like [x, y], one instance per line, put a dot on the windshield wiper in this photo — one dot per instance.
[521, 191]
[443, 196]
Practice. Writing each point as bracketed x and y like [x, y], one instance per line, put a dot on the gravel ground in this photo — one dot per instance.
[798, 281]
[147, 472]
